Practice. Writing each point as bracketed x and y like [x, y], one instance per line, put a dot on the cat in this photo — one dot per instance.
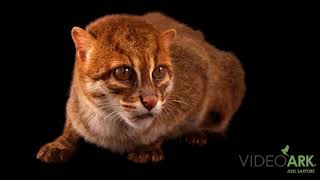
[140, 80]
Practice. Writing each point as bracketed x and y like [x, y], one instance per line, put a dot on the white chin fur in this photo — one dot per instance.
[140, 123]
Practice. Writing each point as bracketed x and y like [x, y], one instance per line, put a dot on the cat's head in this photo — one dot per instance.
[125, 68]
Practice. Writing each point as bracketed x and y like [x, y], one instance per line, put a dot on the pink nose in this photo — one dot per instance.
[149, 102]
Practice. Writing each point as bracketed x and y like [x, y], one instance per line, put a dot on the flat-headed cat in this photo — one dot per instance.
[139, 80]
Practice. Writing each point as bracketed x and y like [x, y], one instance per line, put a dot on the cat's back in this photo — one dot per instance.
[163, 22]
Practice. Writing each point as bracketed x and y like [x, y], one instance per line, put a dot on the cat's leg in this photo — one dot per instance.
[214, 123]
[62, 148]
[152, 153]
[196, 138]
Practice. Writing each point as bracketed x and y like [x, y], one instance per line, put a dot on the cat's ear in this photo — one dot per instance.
[167, 38]
[84, 43]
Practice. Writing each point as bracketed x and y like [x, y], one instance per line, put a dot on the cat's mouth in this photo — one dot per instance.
[140, 120]
[142, 117]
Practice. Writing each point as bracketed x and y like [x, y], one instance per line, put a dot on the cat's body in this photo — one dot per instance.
[199, 89]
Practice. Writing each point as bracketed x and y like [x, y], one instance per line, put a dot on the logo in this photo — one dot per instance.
[299, 163]
[293, 163]
[285, 150]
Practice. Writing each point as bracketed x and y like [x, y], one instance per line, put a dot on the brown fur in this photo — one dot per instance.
[204, 81]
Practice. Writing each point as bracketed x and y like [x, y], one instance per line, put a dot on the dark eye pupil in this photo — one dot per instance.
[159, 73]
[123, 73]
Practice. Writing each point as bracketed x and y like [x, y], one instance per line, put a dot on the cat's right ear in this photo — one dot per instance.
[167, 38]
[84, 43]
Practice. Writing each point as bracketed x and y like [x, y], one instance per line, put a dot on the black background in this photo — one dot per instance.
[276, 43]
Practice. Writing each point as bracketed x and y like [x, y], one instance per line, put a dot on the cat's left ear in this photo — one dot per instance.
[84, 43]
[167, 38]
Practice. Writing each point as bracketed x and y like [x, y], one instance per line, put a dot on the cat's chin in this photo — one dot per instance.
[141, 121]
[142, 117]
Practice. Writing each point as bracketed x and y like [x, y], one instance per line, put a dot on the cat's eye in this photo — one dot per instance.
[160, 73]
[123, 73]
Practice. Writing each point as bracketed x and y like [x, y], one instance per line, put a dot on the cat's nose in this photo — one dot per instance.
[149, 102]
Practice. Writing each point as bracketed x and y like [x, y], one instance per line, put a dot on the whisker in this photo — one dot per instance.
[109, 115]
[162, 120]
[171, 111]
[182, 102]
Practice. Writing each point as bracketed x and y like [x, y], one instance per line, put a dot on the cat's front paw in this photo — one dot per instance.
[196, 138]
[54, 152]
[146, 156]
